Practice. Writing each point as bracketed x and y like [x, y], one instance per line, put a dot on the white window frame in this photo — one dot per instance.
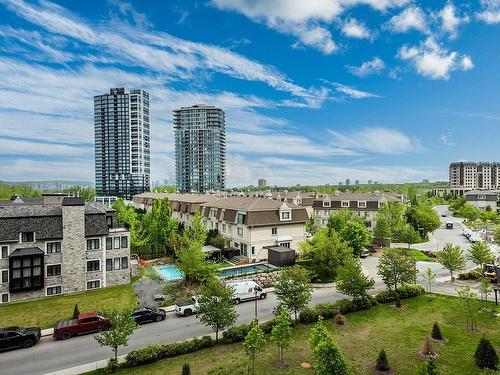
[8, 251]
[327, 204]
[481, 197]
[361, 204]
[21, 236]
[119, 259]
[115, 242]
[8, 297]
[55, 294]
[47, 269]
[93, 260]
[1, 271]
[240, 232]
[274, 231]
[90, 281]
[47, 247]
[286, 212]
[344, 205]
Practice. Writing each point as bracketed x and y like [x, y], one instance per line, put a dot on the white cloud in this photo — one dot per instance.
[445, 141]
[305, 20]
[374, 66]
[352, 92]
[450, 20]
[353, 28]
[410, 18]
[433, 61]
[490, 12]
[375, 139]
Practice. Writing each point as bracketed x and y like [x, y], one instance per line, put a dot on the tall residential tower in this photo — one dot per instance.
[200, 148]
[122, 143]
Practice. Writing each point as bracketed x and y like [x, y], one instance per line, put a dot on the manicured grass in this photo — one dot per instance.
[46, 312]
[400, 332]
[418, 255]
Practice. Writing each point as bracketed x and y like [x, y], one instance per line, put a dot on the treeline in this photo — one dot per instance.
[7, 191]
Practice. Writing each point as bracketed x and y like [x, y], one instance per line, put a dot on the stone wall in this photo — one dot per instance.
[265, 279]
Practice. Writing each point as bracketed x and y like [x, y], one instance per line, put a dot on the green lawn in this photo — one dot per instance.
[47, 311]
[400, 333]
[418, 255]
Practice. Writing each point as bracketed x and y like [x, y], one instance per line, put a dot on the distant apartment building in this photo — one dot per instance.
[365, 205]
[200, 148]
[466, 176]
[122, 143]
[483, 199]
[347, 182]
[248, 224]
[59, 245]
[262, 182]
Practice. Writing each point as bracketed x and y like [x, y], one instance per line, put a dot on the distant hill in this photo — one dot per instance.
[51, 184]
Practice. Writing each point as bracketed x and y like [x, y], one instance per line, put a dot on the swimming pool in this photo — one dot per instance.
[170, 272]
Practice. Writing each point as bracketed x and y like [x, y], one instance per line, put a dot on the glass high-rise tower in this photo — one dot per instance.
[122, 143]
[200, 148]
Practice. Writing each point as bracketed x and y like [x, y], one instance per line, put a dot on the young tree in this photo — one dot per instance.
[122, 326]
[429, 277]
[485, 289]
[192, 261]
[312, 225]
[318, 331]
[293, 288]
[254, 343]
[485, 355]
[429, 368]
[423, 219]
[468, 301]
[328, 359]
[436, 332]
[382, 233]
[216, 306]
[409, 235]
[159, 227]
[352, 281]
[186, 370]
[452, 258]
[394, 213]
[496, 234]
[325, 253]
[282, 334]
[382, 362]
[396, 268]
[480, 254]
[357, 236]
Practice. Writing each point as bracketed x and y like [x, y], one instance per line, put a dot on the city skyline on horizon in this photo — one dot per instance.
[390, 92]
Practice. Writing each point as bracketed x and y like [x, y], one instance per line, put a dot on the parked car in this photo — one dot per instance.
[187, 308]
[86, 323]
[146, 314]
[365, 253]
[443, 214]
[449, 225]
[19, 337]
[247, 290]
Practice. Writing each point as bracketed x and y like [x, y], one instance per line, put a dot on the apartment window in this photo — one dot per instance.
[253, 250]
[327, 204]
[285, 215]
[109, 221]
[53, 247]
[481, 197]
[93, 265]
[240, 218]
[27, 237]
[345, 204]
[124, 261]
[93, 244]
[4, 252]
[362, 204]
[224, 228]
[109, 264]
[274, 231]
[4, 276]
[117, 242]
[5, 298]
[240, 231]
[26, 272]
[54, 290]
[94, 284]
[54, 270]
[124, 242]
[109, 243]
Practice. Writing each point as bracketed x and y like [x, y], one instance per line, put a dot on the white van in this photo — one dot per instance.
[245, 290]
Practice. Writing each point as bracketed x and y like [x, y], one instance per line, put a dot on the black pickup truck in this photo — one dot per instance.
[19, 337]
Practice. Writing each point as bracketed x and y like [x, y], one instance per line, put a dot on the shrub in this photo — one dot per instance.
[308, 315]
[410, 291]
[474, 274]
[268, 326]
[485, 355]
[382, 362]
[387, 296]
[186, 370]
[340, 319]
[236, 333]
[112, 366]
[148, 354]
[327, 310]
[436, 332]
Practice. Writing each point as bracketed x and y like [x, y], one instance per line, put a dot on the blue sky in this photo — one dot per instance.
[314, 91]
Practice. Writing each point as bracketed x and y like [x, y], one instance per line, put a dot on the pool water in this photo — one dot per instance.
[169, 272]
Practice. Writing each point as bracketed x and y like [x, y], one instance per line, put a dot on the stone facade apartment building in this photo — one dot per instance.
[364, 204]
[59, 245]
[250, 224]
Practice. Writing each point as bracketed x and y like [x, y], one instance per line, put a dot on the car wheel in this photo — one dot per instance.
[263, 296]
[237, 301]
[187, 312]
[65, 335]
[28, 343]
[159, 318]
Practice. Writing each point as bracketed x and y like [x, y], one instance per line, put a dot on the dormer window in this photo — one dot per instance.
[327, 203]
[345, 204]
[481, 197]
[285, 215]
[285, 212]
[27, 237]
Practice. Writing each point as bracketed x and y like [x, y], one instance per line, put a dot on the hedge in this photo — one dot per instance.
[155, 352]
[238, 333]
[474, 274]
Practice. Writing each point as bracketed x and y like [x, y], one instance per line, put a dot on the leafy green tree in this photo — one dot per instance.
[214, 238]
[197, 232]
[85, 192]
[382, 232]
[254, 343]
[160, 227]
[469, 212]
[409, 235]
[382, 362]
[486, 356]
[480, 253]
[457, 203]
[216, 306]
[394, 213]
[338, 220]
[357, 236]
[282, 333]
[318, 331]
[293, 288]
[452, 258]
[496, 234]
[429, 277]
[312, 225]
[396, 268]
[325, 253]
[122, 326]
[352, 281]
[192, 261]
[328, 359]
[423, 219]
[469, 304]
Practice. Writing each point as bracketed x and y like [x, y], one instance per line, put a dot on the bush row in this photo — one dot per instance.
[344, 306]
[474, 274]
[155, 352]
[238, 333]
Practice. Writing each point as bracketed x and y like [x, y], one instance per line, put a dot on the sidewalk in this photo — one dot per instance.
[86, 367]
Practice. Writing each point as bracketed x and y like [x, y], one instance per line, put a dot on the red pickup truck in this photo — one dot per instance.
[86, 323]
